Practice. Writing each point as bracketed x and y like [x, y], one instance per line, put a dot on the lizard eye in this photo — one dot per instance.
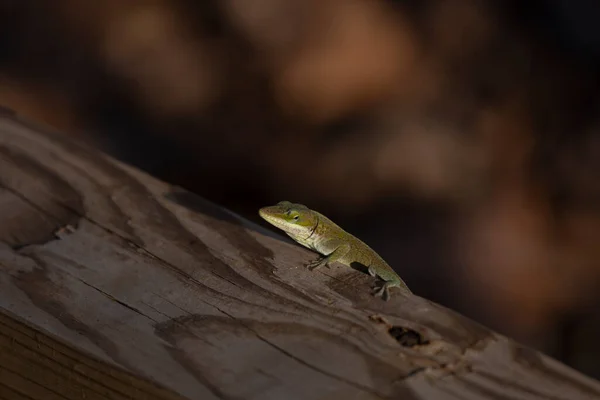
[296, 217]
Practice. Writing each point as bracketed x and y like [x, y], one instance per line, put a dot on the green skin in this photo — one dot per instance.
[317, 232]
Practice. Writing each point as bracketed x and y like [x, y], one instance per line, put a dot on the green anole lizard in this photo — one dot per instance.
[317, 232]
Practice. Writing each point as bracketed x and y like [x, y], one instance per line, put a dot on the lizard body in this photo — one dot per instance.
[317, 232]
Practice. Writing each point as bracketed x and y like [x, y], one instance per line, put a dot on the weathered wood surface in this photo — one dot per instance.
[136, 285]
[35, 365]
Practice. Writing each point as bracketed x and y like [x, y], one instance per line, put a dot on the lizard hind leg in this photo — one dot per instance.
[384, 290]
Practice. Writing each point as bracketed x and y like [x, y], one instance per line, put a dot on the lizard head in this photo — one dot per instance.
[296, 220]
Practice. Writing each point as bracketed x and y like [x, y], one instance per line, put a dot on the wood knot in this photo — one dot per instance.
[407, 337]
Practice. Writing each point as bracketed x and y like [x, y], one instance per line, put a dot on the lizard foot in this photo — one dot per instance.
[318, 263]
[383, 291]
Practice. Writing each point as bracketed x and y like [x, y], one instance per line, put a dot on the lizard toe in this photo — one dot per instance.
[382, 291]
[315, 264]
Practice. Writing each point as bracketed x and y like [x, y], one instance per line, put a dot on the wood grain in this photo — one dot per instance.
[138, 289]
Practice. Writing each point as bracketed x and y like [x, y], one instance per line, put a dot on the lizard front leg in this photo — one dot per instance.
[336, 255]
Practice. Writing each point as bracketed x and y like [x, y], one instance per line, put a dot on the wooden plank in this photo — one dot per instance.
[135, 284]
[44, 361]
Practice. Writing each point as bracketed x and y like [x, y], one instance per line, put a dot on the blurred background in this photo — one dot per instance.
[459, 138]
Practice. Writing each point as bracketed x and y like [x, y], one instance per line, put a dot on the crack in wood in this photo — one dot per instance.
[120, 302]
